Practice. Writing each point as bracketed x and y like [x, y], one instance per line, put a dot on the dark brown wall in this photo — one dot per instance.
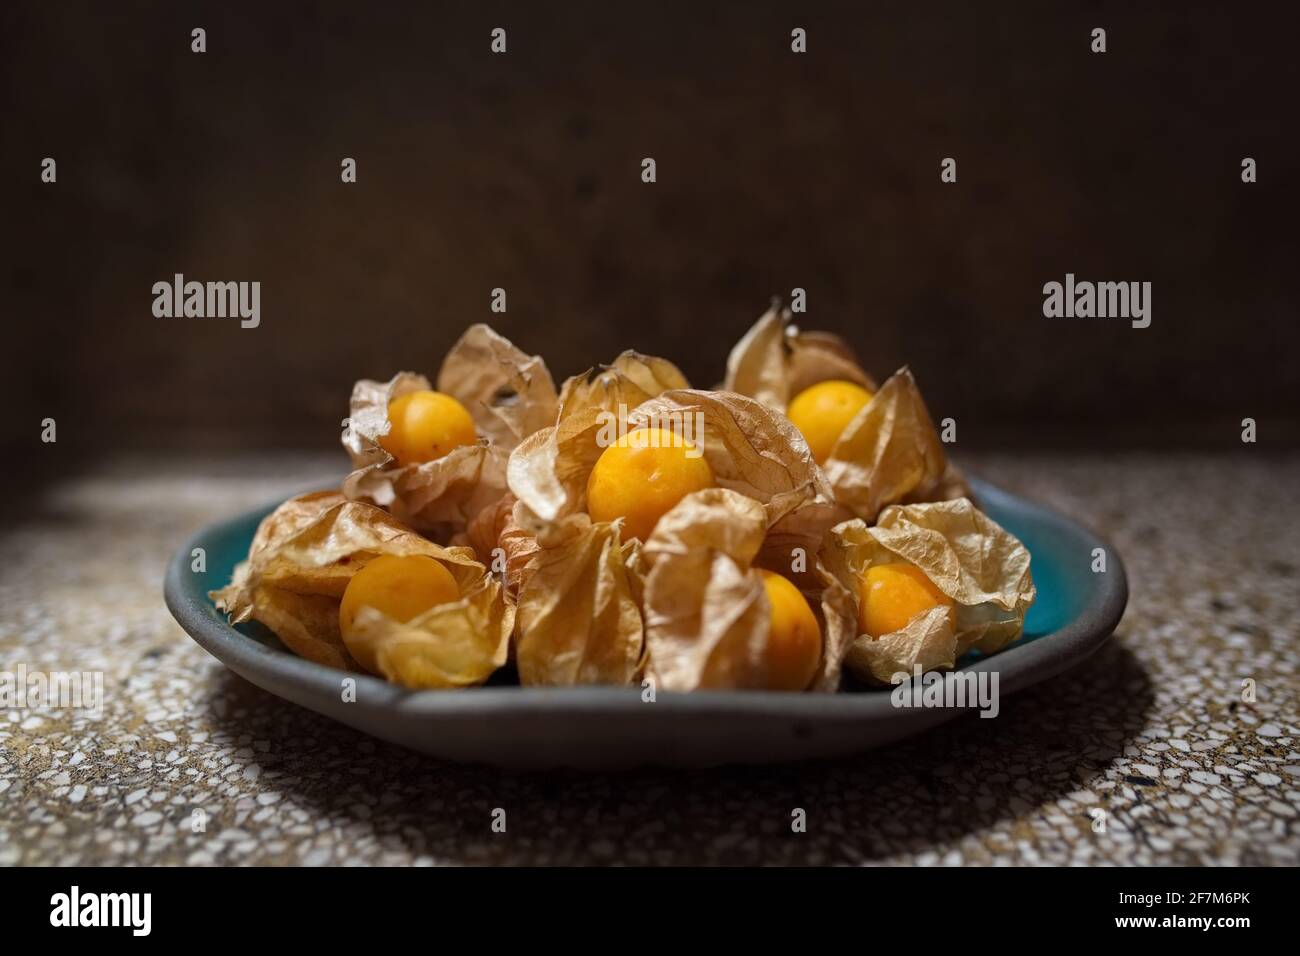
[522, 171]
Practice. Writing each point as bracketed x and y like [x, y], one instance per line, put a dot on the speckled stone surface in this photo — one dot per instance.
[1144, 754]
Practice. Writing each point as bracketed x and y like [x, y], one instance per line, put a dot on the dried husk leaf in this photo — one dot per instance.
[294, 618]
[548, 471]
[629, 380]
[833, 604]
[307, 624]
[291, 517]
[757, 364]
[439, 497]
[302, 559]
[775, 361]
[496, 528]
[836, 611]
[983, 568]
[579, 616]
[452, 645]
[509, 395]
[707, 616]
[822, 356]
[755, 450]
[751, 449]
[927, 641]
[891, 453]
[367, 420]
[951, 484]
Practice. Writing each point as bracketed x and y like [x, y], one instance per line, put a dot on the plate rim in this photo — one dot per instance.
[1037, 660]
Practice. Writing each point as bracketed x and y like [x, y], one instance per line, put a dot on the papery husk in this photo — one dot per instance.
[952, 484]
[749, 447]
[754, 450]
[508, 394]
[551, 467]
[928, 641]
[833, 604]
[579, 616]
[438, 498]
[303, 556]
[300, 621]
[837, 612]
[290, 518]
[891, 453]
[629, 380]
[502, 543]
[707, 615]
[983, 568]
[775, 361]
[548, 475]
[458, 644]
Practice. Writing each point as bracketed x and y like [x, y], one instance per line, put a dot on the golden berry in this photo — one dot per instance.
[426, 425]
[400, 587]
[794, 643]
[823, 411]
[893, 594]
[642, 476]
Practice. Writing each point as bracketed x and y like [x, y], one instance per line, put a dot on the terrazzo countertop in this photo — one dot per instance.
[1151, 731]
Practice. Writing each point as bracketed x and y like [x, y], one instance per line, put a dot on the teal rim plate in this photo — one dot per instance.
[609, 727]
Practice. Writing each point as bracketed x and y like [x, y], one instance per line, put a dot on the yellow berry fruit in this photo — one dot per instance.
[893, 594]
[823, 411]
[400, 587]
[794, 643]
[642, 476]
[425, 426]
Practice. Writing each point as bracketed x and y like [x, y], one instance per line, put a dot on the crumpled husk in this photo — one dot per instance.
[952, 484]
[302, 558]
[775, 361]
[508, 394]
[578, 586]
[579, 617]
[889, 454]
[629, 380]
[288, 519]
[749, 447]
[592, 636]
[502, 543]
[554, 463]
[834, 605]
[707, 615]
[836, 611]
[967, 555]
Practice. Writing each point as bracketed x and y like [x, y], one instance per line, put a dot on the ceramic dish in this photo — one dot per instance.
[608, 727]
